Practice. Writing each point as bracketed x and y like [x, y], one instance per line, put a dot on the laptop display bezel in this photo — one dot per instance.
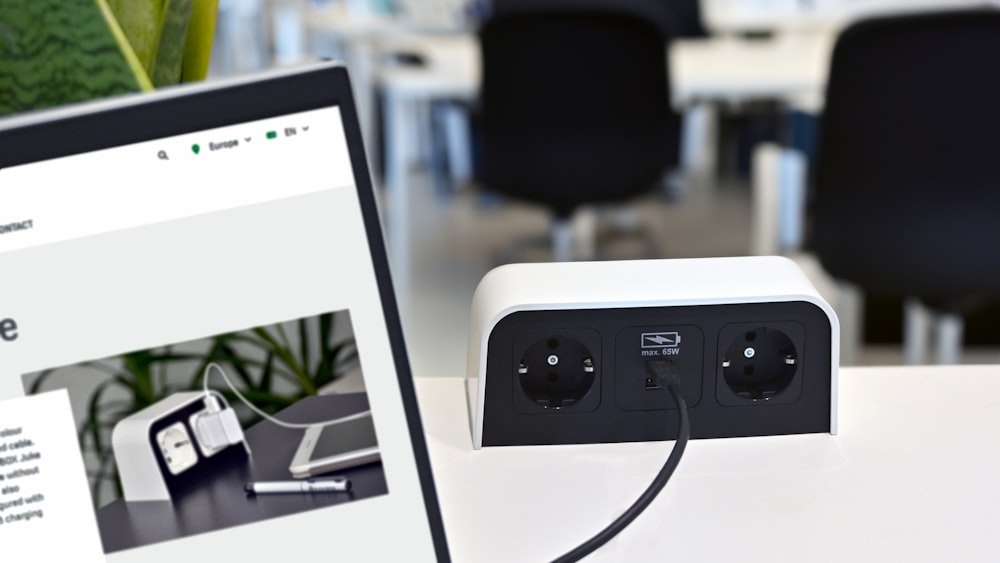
[49, 134]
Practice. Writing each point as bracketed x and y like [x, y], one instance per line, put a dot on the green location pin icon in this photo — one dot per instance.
[196, 148]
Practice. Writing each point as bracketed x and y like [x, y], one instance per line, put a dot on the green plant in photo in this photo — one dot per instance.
[273, 367]
[55, 52]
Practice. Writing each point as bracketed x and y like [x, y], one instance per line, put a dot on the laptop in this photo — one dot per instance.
[193, 281]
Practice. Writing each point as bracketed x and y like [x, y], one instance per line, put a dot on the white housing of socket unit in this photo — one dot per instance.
[594, 289]
[161, 444]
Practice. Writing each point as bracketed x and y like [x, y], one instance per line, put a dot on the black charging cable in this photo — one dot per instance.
[665, 375]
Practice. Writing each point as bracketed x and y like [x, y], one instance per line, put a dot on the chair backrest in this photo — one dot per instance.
[907, 198]
[575, 103]
[685, 18]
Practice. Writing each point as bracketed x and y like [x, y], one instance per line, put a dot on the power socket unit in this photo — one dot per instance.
[559, 352]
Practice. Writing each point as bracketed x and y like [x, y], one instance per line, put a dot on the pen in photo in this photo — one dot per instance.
[332, 484]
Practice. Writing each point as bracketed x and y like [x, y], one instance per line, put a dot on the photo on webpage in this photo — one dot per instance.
[167, 459]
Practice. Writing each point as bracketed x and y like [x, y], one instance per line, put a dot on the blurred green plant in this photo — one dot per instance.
[55, 52]
[256, 360]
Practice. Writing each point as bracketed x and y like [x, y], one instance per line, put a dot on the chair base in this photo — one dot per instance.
[921, 324]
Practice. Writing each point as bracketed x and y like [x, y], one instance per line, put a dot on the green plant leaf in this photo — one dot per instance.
[200, 35]
[172, 39]
[138, 364]
[267, 377]
[289, 359]
[170, 52]
[92, 427]
[42, 378]
[280, 329]
[55, 52]
[324, 371]
[239, 365]
[142, 23]
[304, 340]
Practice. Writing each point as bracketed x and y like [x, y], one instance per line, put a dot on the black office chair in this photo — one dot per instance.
[575, 103]
[907, 200]
[685, 18]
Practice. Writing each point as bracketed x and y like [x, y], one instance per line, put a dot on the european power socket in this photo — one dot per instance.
[556, 370]
[760, 363]
[560, 354]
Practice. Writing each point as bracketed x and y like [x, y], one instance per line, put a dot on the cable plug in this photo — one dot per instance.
[212, 403]
[664, 374]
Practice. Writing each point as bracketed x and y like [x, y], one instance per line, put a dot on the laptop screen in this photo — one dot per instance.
[194, 281]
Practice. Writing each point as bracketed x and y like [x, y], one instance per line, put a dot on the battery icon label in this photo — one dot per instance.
[272, 134]
[661, 339]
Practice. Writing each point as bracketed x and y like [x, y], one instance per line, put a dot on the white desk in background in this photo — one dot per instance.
[791, 68]
[361, 38]
[913, 475]
[729, 71]
[704, 73]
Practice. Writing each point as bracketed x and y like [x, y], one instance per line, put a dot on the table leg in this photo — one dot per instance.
[699, 142]
[360, 54]
[400, 119]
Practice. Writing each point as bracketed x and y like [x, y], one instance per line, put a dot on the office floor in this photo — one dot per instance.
[458, 238]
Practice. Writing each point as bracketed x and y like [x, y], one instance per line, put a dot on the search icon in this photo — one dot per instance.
[162, 155]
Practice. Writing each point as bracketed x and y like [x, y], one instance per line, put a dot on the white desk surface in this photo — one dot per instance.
[914, 475]
[451, 66]
[339, 19]
[789, 67]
